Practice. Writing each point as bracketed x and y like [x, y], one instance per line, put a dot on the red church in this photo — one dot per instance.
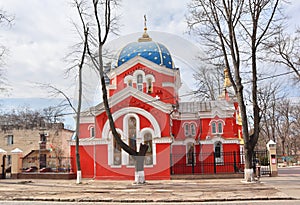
[183, 137]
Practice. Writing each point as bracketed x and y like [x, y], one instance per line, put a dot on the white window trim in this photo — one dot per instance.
[90, 128]
[152, 79]
[111, 151]
[143, 132]
[186, 151]
[219, 160]
[217, 126]
[189, 133]
[127, 79]
[125, 155]
[195, 131]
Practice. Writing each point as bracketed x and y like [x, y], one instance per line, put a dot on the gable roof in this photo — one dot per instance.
[124, 94]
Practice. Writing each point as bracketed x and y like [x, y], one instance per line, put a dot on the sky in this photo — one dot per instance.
[42, 33]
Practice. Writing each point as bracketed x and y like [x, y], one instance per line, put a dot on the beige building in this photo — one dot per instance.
[43, 147]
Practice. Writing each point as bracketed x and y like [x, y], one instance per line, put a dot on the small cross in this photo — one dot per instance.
[145, 21]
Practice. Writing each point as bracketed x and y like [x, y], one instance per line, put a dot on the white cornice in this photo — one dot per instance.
[185, 141]
[162, 140]
[87, 119]
[89, 141]
[220, 139]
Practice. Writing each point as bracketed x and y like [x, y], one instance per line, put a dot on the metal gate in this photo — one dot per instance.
[261, 157]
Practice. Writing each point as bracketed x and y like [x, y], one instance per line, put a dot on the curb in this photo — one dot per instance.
[153, 201]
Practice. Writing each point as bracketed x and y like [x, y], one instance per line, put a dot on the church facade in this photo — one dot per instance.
[146, 106]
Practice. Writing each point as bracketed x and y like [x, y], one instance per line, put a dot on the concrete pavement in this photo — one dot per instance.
[174, 191]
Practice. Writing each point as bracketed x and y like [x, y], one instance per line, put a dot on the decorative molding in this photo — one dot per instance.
[184, 142]
[168, 84]
[87, 119]
[162, 140]
[213, 140]
[89, 141]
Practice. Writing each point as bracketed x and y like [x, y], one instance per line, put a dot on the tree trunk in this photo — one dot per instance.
[139, 165]
[248, 171]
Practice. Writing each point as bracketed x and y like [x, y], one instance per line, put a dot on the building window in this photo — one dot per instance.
[132, 137]
[149, 85]
[9, 159]
[186, 129]
[218, 153]
[10, 139]
[117, 152]
[130, 83]
[149, 154]
[190, 154]
[92, 132]
[217, 127]
[213, 128]
[220, 127]
[193, 129]
[139, 82]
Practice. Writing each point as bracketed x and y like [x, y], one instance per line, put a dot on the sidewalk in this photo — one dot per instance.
[125, 191]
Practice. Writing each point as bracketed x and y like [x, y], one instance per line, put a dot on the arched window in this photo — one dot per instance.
[130, 83]
[190, 154]
[132, 137]
[218, 150]
[213, 128]
[139, 82]
[218, 153]
[149, 85]
[220, 127]
[149, 154]
[92, 132]
[193, 129]
[186, 129]
[117, 152]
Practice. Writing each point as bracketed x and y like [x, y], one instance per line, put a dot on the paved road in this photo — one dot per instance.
[287, 182]
[271, 190]
[269, 202]
[289, 171]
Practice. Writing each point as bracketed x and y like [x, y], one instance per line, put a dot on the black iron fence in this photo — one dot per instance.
[216, 163]
[261, 159]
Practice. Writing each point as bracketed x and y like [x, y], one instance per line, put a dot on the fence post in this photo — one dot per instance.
[193, 162]
[234, 161]
[171, 166]
[16, 162]
[215, 165]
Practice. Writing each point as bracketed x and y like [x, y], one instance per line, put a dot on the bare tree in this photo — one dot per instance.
[5, 19]
[209, 82]
[235, 31]
[105, 22]
[286, 48]
[267, 99]
[27, 118]
[78, 56]
[283, 125]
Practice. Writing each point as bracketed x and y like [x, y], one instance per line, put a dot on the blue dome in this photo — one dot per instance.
[150, 50]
